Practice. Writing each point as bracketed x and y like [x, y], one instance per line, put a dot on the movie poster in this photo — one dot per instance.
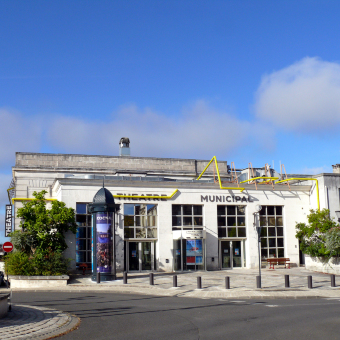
[104, 242]
[194, 251]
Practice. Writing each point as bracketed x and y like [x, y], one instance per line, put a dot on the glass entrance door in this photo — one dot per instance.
[146, 255]
[225, 254]
[189, 254]
[133, 256]
[231, 254]
[140, 256]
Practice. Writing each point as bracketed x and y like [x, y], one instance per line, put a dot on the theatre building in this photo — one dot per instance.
[170, 217]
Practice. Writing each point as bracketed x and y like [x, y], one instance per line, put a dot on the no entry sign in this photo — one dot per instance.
[7, 247]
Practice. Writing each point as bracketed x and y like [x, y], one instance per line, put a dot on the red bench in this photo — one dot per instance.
[84, 267]
[276, 261]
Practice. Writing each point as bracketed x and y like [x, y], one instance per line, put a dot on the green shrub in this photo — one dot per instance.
[333, 241]
[313, 235]
[18, 263]
[41, 263]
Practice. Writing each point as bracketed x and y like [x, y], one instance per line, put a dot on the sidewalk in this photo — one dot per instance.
[36, 323]
[242, 284]
[29, 322]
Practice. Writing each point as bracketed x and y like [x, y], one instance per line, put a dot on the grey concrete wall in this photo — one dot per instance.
[114, 163]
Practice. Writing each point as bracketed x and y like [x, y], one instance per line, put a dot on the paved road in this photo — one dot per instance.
[128, 316]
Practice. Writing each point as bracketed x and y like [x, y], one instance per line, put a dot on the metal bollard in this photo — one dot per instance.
[333, 281]
[310, 282]
[227, 282]
[174, 281]
[125, 278]
[98, 277]
[199, 282]
[287, 285]
[151, 279]
[258, 281]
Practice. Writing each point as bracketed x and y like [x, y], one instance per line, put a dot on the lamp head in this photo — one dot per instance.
[258, 207]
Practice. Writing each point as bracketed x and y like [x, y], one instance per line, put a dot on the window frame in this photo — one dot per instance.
[88, 234]
[223, 228]
[195, 219]
[144, 228]
[270, 224]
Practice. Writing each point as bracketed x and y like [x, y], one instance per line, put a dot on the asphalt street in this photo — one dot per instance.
[118, 316]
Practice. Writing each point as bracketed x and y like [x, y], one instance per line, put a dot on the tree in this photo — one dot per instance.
[40, 242]
[312, 236]
[43, 229]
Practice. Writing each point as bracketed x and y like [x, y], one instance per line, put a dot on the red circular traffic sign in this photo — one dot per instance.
[7, 247]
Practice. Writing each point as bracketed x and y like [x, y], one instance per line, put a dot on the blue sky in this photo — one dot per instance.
[247, 81]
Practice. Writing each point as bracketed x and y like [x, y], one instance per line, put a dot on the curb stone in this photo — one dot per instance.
[38, 323]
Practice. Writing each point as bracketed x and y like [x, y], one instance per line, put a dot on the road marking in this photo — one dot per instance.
[272, 305]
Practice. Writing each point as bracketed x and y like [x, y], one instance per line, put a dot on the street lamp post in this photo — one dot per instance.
[258, 208]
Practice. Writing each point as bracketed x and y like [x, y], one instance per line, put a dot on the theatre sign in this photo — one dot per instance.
[8, 220]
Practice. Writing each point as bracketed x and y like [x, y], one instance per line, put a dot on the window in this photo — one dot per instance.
[231, 221]
[271, 221]
[187, 216]
[140, 221]
[83, 235]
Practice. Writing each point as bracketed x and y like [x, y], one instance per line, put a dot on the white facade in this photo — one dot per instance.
[66, 179]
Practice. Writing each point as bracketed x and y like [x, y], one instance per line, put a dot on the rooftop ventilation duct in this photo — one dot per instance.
[124, 146]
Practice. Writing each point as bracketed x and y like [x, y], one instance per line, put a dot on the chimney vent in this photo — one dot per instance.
[124, 146]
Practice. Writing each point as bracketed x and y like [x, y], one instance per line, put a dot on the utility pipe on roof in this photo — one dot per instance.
[218, 175]
[305, 179]
[8, 190]
[158, 196]
[118, 196]
[30, 199]
[253, 179]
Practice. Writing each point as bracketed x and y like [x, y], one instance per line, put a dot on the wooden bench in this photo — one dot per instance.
[84, 267]
[276, 261]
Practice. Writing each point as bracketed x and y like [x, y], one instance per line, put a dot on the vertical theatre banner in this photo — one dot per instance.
[104, 243]
[8, 220]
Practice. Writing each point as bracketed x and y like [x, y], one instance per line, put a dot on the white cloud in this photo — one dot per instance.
[17, 133]
[316, 170]
[198, 131]
[304, 96]
[5, 181]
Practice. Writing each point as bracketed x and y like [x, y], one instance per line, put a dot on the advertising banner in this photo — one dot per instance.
[104, 242]
[194, 251]
[8, 220]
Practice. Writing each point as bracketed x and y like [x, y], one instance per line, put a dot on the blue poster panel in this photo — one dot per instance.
[104, 242]
[199, 247]
[199, 260]
[191, 248]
